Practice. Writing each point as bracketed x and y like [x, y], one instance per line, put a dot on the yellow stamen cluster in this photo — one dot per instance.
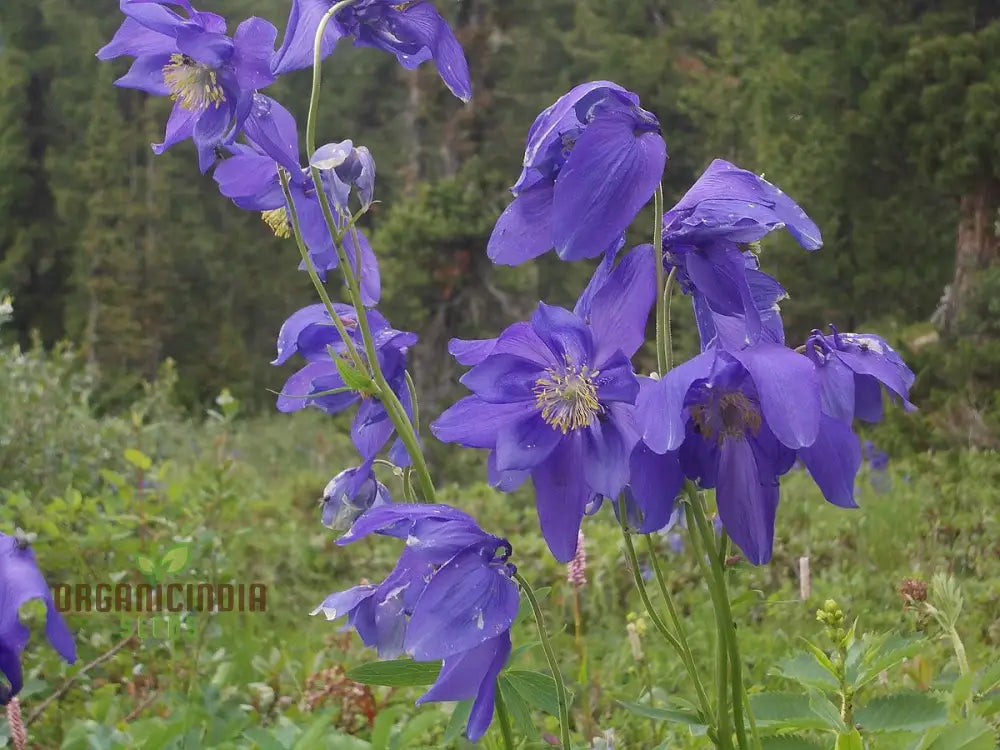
[277, 220]
[192, 84]
[568, 398]
[728, 415]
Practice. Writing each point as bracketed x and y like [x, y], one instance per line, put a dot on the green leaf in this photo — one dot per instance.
[803, 668]
[849, 741]
[789, 742]
[396, 673]
[961, 690]
[538, 689]
[352, 377]
[518, 709]
[902, 712]
[176, 558]
[975, 734]
[311, 737]
[145, 564]
[456, 725]
[113, 478]
[138, 459]
[884, 653]
[990, 678]
[826, 710]
[418, 725]
[778, 710]
[663, 714]
[382, 728]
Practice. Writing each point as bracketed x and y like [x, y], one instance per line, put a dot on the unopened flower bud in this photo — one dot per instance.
[349, 494]
[635, 641]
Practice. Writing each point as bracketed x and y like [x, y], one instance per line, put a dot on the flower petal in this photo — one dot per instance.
[503, 378]
[561, 495]
[475, 423]
[567, 337]
[833, 461]
[606, 458]
[466, 602]
[660, 404]
[746, 505]
[655, 480]
[146, 74]
[523, 230]
[607, 179]
[524, 444]
[425, 26]
[296, 49]
[621, 306]
[789, 391]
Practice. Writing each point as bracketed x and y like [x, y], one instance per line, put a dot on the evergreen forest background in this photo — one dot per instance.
[880, 117]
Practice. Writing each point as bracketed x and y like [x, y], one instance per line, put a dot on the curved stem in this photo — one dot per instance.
[668, 291]
[661, 349]
[503, 718]
[550, 657]
[686, 654]
[314, 277]
[393, 406]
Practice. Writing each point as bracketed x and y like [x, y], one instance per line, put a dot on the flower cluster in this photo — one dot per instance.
[450, 597]
[556, 399]
[21, 581]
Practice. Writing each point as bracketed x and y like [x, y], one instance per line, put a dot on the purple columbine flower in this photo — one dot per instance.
[310, 332]
[552, 399]
[349, 494]
[250, 179]
[412, 30]
[853, 369]
[593, 160]
[702, 234]
[212, 78]
[20, 582]
[732, 421]
[449, 597]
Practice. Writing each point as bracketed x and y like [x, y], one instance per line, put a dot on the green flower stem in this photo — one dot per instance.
[715, 574]
[317, 283]
[550, 657]
[668, 291]
[394, 409]
[503, 719]
[725, 740]
[413, 400]
[661, 347]
[686, 654]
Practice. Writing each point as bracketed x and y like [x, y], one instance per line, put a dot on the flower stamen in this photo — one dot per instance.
[277, 220]
[194, 85]
[568, 399]
[729, 415]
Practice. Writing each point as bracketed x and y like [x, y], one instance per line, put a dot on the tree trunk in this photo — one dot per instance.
[976, 247]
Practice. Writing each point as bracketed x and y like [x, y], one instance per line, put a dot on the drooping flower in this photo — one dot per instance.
[21, 581]
[853, 369]
[250, 179]
[212, 78]
[411, 30]
[349, 494]
[593, 160]
[449, 597]
[311, 333]
[702, 236]
[732, 421]
[552, 399]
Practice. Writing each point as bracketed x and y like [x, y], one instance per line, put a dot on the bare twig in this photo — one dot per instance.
[64, 688]
[142, 706]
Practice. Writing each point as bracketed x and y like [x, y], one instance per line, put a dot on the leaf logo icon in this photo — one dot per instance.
[174, 560]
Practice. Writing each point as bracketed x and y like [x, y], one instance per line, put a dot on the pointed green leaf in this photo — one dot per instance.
[382, 728]
[902, 712]
[826, 710]
[456, 725]
[974, 734]
[803, 668]
[789, 742]
[138, 459]
[352, 377]
[782, 711]
[849, 741]
[663, 714]
[396, 673]
[176, 558]
[539, 690]
[519, 710]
